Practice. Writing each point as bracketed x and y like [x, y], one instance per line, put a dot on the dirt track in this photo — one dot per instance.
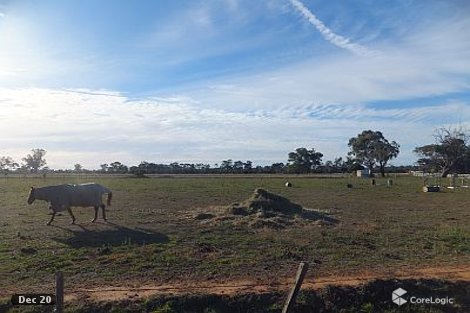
[133, 290]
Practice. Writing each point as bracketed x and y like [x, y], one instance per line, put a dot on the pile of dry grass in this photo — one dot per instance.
[266, 210]
[265, 203]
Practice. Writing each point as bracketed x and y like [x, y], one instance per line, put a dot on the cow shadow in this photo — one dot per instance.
[111, 235]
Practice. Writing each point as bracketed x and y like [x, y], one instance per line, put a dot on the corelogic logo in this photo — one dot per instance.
[396, 296]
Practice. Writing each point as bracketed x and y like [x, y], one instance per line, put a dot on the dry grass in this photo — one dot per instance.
[264, 209]
[153, 234]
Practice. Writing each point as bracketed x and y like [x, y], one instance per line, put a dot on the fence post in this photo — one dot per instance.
[303, 267]
[59, 290]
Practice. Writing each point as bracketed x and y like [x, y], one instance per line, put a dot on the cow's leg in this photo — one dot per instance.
[103, 211]
[71, 214]
[96, 214]
[52, 218]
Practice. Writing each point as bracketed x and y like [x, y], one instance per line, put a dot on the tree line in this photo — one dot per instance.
[450, 153]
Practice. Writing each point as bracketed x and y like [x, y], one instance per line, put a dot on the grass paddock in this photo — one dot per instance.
[152, 235]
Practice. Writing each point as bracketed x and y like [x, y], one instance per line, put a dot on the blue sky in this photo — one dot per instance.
[98, 81]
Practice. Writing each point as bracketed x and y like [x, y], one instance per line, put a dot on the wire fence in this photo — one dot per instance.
[301, 272]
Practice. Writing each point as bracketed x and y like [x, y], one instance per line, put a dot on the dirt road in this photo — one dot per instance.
[134, 290]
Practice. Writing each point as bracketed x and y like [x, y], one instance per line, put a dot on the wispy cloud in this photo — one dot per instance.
[329, 35]
[2, 14]
[250, 110]
[92, 127]
[432, 62]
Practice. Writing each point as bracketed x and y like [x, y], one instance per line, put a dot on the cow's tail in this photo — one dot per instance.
[110, 196]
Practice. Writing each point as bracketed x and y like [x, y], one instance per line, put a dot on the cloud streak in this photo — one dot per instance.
[426, 64]
[92, 127]
[329, 35]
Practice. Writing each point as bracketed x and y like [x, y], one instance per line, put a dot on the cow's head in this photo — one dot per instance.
[31, 196]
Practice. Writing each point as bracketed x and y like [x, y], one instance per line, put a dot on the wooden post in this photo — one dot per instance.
[59, 290]
[303, 267]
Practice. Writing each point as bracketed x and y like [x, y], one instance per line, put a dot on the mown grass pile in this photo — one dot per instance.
[266, 204]
[264, 209]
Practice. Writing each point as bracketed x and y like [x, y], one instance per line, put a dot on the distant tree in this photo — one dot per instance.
[134, 170]
[450, 152]
[238, 167]
[152, 168]
[148, 168]
[352, 165]
[371, 148]
[428, 164]
[304, 161]
[188, 168]
[278, 167]
[226, 166]
[175, 168]
[104, 167]
[117, 167]
[7, 164]
[465, 162]
[33, 162]
[329, 167]
[77, 168]
[385, 151]
[247, 167]
[338, 164]
[202, 168]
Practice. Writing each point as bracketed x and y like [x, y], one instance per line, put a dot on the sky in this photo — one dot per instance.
[95, 82]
